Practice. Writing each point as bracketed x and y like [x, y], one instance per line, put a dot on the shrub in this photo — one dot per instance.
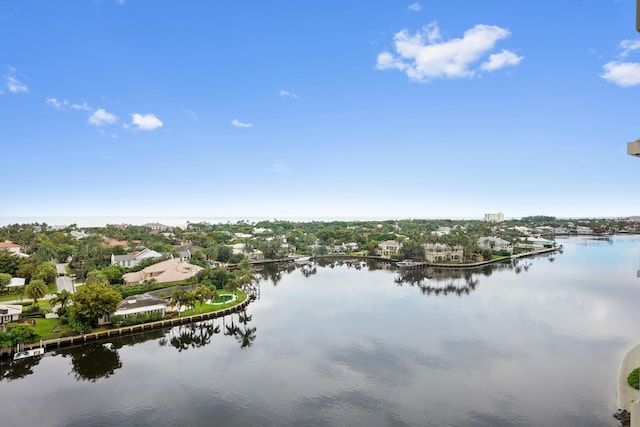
[634, 379]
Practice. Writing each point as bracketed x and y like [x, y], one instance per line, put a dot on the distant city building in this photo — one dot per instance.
[494, 217]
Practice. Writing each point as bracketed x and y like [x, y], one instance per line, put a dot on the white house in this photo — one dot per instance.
[388, 248]
[138, 304]
[539, 242]
[131, 260]
[78, 234]
[583, 230]
[495, 244]
[253, 255]
[157, 227]
[442, 231]
[437, 252]
[9, 313]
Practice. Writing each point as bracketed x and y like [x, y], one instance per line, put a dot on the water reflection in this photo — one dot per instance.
[15, 370]
[94, 361]
[194, 335]
[242, 332]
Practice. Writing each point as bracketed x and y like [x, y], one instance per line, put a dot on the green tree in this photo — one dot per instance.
[203, 293]
[412, 250]
[35, 290]
[47, 272]
[113, 274]
[224, 253]
[46, 251]
[9, 263]
[91, 302]
[5, 279]
[17, 334]
[63, 297]
[97, 277]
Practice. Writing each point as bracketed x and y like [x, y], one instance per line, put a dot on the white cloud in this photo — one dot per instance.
[191, 114]
[101, 117]
[425, 56]
[286, 93]
[58, 105]
[237, 123]
[146, 121]
[628, 46]
[64, 104]
[12, 83]
[81, 107]
[415, 7]
[624, 74]
[500, 60]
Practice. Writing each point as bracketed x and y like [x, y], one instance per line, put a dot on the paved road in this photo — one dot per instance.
[64, 282]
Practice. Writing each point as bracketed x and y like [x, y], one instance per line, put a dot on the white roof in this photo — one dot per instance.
[16, 281]
[12, 310]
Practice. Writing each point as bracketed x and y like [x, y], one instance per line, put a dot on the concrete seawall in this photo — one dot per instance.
[74, 340]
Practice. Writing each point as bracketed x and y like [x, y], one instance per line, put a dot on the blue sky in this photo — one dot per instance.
[436, 108]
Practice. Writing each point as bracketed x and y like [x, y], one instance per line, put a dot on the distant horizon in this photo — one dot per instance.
[176, 221]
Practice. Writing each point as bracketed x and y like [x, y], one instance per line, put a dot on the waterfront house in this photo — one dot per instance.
[388, 248]
[251, 255]
[131, 260]
[439, 252]
[538, 242]
[171, 270]
[9, 313]
[141, 304]
[495, 244]
[583, 230]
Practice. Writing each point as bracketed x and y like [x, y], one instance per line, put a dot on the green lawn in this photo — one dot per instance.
[207, 308]
[44, 328]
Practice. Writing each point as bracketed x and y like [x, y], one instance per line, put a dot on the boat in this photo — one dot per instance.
[28, 353]
[302, 259]
[408, 263]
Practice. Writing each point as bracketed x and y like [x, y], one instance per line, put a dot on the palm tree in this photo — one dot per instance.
[202, 293]
[36, 289]
[63, 297]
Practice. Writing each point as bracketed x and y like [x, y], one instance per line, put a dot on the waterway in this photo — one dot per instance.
[535, 343]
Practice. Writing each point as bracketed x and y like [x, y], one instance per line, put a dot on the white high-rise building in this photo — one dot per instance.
[494, 217]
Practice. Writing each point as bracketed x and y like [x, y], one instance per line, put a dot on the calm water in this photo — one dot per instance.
[349, 343]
